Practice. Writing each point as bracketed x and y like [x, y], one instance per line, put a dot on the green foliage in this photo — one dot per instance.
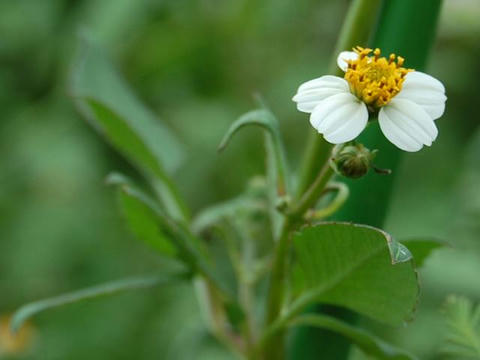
[467, 198]
[112, 109]
[421, 248]
[252, 202]
[355, 266]
[367, 342]
[152, 225]
[463, 319]
[277, 173]
[141, 213]
[31, 309]
[197, 63]
[171, 238]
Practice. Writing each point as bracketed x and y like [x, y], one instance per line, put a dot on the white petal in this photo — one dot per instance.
[407, 125]
[426, 91]
[329, 81]
[310, 94]
[421, 79]
[343, 57]
[340, 118]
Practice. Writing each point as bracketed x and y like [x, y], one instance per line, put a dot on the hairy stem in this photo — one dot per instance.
[278, 278]
[311, 196]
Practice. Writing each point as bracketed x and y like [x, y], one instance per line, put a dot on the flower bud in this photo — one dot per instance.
[282, 203]
[352, 160]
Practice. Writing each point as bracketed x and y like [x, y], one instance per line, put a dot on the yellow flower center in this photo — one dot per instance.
[373, 79]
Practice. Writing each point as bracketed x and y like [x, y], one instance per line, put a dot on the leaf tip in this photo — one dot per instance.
[222, 145]
[19, 318]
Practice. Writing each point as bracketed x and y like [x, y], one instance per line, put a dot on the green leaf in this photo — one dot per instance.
[259, 117]
[31, 309]
[367, 342]
[251, 202]
[277, 173]
[463, 320]
[134, 200]
[355, 266]
[189, 248]
[228, 209]
[138, 209]
[107, 103]
[421, 248]
[141, 220]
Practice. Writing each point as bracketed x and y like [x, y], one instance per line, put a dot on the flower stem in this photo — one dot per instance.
[355, 31]
[335, 204]
[278, 277]
[311, 196]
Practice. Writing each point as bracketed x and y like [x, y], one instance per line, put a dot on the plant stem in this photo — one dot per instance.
[274, 348]
[311, 196]
[245, 294]
[214, 315]
[355, 31]
[335, 204]
[278, 278]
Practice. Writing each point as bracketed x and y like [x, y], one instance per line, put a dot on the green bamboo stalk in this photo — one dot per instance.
[407, 28]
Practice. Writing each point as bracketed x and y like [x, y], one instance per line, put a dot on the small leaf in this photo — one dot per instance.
[463, 319]
[189, 248]
[141, 210]
[259, 117]
[31, 309]
[277, 173]
[143, 221]
[355, 266]
[252, 201]
[141, 213]
[217, 212]
[422, 248]
[367, 342]
[107, 103]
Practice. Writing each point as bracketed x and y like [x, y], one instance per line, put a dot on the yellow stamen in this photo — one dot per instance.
[373, 79]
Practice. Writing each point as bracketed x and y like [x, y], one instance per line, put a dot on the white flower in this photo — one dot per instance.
[407, 101]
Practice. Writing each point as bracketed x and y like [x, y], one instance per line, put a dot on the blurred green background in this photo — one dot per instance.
[196, 63]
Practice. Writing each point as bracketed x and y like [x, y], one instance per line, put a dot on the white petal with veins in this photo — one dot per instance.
[311, 93]
[407, 125]
[340, 118]
[426, 91]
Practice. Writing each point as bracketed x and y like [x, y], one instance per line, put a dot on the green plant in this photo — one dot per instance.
[272, 236]
[463, 320]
